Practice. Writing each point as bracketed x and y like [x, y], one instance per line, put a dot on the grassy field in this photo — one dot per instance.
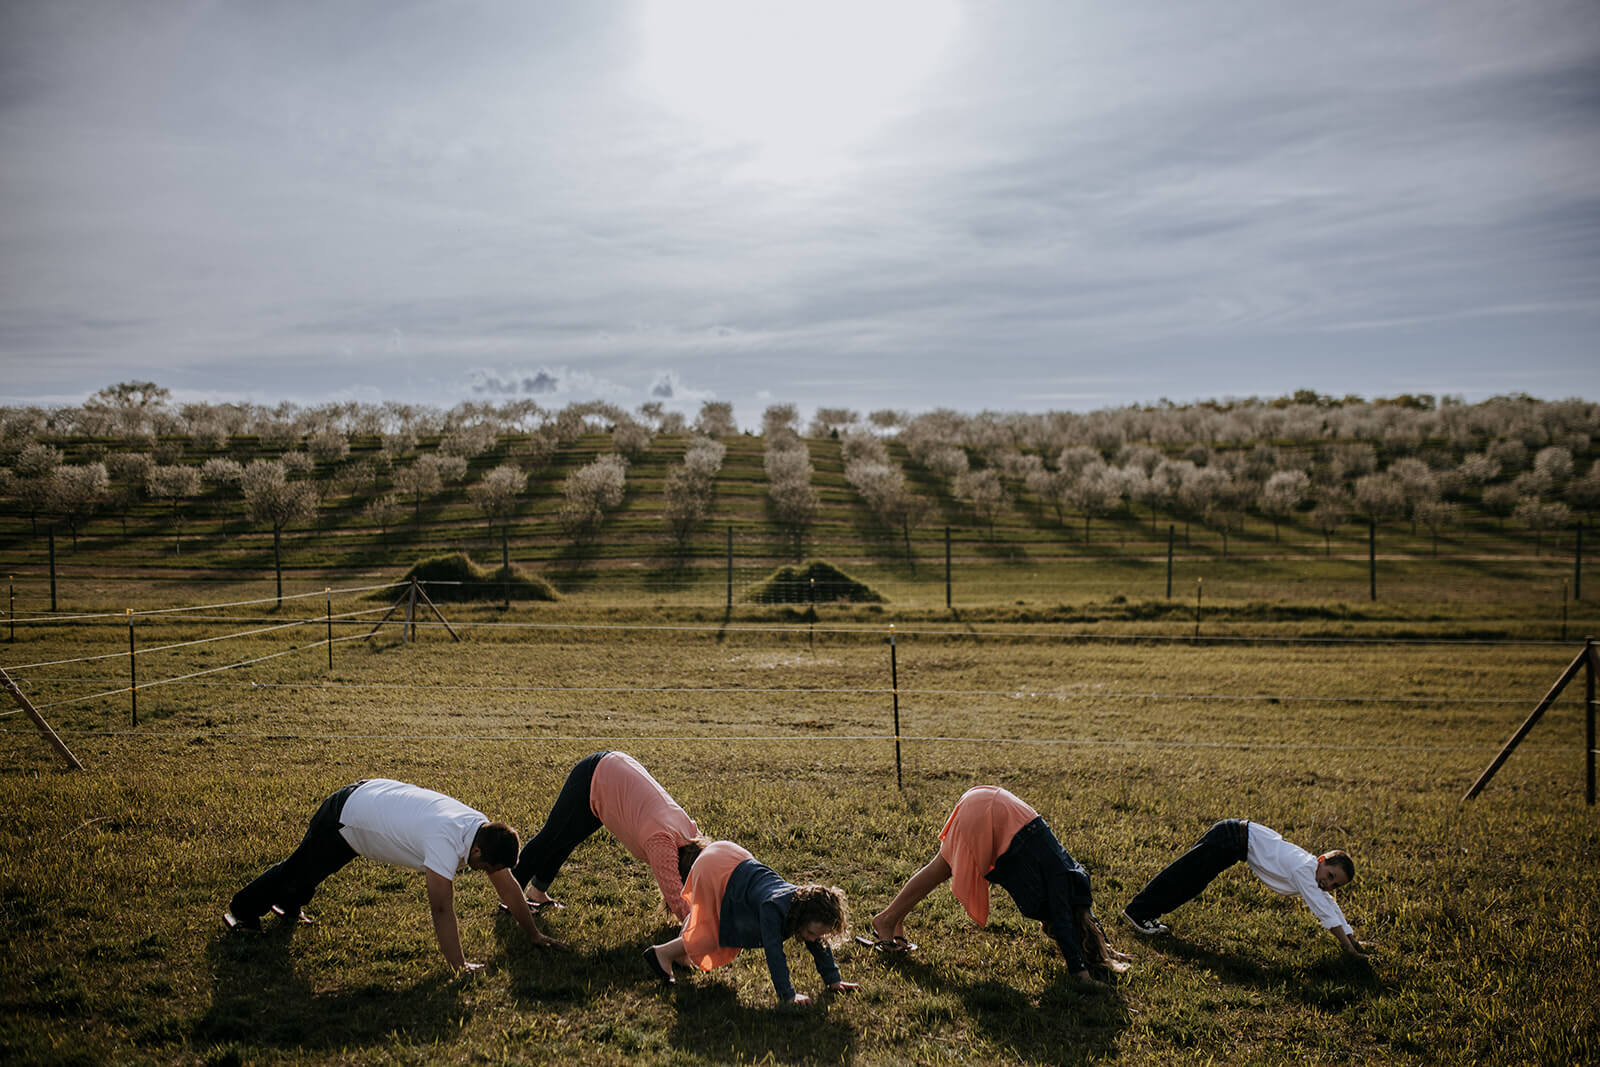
[778, 733]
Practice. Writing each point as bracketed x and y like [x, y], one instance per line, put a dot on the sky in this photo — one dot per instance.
[1004, 205]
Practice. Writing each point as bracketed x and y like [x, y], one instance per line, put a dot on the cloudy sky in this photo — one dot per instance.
[1003, 204]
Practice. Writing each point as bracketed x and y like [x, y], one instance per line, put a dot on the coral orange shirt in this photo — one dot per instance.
[645, 818]
[979, 830]
[703, 889]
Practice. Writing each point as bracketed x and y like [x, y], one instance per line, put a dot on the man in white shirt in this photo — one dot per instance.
[400, 824]
[1284, 867]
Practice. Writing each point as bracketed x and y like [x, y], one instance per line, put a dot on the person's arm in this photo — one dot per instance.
[822, 955]
[772, 917]
[661, 851]
[442, 906]
[1347, 941]
[510, 891]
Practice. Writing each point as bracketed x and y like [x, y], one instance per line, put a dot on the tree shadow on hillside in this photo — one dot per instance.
[1069, 1024]
[711, 1021]
[258, 999]
[1331, 984]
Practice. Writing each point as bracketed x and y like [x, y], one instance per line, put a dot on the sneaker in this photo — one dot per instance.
[1146, 927]
[301, 918]
[241, 924]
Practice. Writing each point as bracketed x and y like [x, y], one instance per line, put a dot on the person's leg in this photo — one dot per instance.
[571, 820]
[290, 884]
[1185, 877]
[890, 922]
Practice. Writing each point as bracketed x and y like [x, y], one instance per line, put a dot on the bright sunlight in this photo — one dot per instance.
[796, 84]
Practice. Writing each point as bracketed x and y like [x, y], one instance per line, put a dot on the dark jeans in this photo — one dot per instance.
[291, 883]
[1047, 884]
[1226, 843]
[571, 820]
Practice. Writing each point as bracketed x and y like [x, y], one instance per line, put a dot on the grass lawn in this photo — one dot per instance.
[779, 735]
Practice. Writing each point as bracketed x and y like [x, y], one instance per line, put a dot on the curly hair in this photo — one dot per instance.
[823, 904]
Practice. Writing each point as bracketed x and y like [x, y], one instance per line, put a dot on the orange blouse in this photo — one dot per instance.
[703, 889]
[645, 818]
[979, 830]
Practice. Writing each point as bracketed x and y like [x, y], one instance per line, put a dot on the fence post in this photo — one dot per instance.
[1372, 559]
[1563, 609]
[1199, 587]
[11, 583]
[947, 568]
[730, 568]
[133, 672]
[1588, 722]
[894, 688]
[51, 530]
[1577, 564]
[38, 721]
[410, 628]
[329, 594]
[1170, 532]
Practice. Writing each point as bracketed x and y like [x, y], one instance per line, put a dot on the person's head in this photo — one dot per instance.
[1335, 869]
[688, 853]
[1096, 949]
[494, 847]
[817, 913]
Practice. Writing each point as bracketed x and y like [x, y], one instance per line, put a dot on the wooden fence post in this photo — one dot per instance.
[947, 568]
[133, 673]
[1372, 559]
[730, 568]
[38, 720]
[1171, 531]
[1582, 658]
[894, 688]
[1588, 720]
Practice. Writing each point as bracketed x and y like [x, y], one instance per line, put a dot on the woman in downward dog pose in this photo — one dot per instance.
[736, 902]
[611, 789]
[994, 838]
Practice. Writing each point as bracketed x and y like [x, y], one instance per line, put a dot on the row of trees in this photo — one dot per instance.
[988, 463]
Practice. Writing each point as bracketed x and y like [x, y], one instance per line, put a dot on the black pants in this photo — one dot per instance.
[291, 883]
[1226, 843]
[570, 822]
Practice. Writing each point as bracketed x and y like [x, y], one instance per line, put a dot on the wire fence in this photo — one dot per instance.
[52, 681]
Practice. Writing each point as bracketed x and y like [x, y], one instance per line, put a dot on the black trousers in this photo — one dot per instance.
[570, 822]
[1226, 843]
[291, 883]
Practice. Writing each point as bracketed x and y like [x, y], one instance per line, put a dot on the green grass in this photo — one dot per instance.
[778, 735]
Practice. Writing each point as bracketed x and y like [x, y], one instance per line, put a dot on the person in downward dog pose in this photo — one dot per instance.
[611, 789]
[404, 825]
[992, 837]
[736, 902]
[1283, 866]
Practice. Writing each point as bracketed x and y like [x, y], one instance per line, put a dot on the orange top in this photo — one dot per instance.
[633, 806]
[979, 830]
[645, 818]
[703, 889]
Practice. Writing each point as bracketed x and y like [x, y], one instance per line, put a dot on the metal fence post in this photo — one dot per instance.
[133, 673]
[894, 687]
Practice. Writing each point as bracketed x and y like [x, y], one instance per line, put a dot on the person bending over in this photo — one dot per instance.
[1285, 867]
[400, 824]
[992, 837]
[736, 903]
[611, 789]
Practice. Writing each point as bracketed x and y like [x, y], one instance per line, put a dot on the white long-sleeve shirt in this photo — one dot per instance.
[1284, 867]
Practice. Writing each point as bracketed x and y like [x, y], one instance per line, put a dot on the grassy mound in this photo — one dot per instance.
[453, 576]
[793, 585]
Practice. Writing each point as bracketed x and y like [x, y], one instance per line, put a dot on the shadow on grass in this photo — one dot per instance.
[712, 1023]
[1068, 1024]
[258, 1000]
[1331, 983]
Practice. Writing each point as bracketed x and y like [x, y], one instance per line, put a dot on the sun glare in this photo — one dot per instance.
[796, 83]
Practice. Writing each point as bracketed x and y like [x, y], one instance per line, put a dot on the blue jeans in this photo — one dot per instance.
[570, 822]
[290, 884]
[1226, 843]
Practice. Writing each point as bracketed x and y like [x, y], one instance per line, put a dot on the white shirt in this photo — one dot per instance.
[409, 826]
[1289, 869]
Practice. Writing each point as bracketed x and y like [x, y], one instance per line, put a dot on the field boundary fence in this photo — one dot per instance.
[53, 691]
